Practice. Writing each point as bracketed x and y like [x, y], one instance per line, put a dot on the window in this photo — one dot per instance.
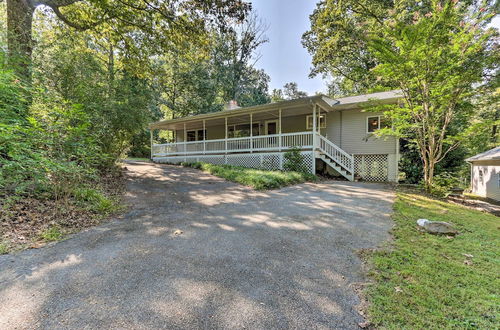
[195, 135]
[201, 135]
[374, 123]
[481, 176]
[191, 136]
[321, 122]
[242, 130]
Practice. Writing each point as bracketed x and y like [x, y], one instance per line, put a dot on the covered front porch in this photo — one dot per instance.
[254, 136]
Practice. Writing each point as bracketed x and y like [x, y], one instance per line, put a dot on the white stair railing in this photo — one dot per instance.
[338, 155]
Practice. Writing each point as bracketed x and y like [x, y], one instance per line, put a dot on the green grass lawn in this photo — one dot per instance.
[138, 159]
[424, 281]
[257, 179]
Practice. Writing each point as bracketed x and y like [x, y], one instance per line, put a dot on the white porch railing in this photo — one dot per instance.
[275, 142]
[337, 154]
[337, 157]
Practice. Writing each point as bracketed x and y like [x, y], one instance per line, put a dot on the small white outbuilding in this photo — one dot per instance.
[485, 174]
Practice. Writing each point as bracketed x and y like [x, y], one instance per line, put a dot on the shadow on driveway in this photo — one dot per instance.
[245, 259]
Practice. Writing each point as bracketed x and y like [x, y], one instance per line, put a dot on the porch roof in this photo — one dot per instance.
[289, 107]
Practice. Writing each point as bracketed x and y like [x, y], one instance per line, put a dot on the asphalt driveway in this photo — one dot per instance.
[197, 252]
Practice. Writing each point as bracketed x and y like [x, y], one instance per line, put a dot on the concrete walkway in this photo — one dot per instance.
[197, 252]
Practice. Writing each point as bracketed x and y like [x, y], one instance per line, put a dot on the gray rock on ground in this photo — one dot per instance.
[437, 227]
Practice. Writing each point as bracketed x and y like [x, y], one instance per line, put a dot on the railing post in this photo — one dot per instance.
[251, 132]
[279, 124]
[352, 167]
[225, 138]
[185, 140]
[204, 137]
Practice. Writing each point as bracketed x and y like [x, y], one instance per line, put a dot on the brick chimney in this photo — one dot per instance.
[231, 105]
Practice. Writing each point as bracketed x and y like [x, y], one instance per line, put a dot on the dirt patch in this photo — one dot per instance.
[22, 221]
[476, 204]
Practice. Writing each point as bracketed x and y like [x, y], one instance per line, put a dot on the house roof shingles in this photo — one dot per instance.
[328, 102]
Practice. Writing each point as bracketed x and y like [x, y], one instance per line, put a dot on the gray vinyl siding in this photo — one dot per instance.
[333, 127]
[213, 133]
[351, 133]
[489, 186]
[293, 124]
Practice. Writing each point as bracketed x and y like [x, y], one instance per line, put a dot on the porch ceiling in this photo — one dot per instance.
[233, 117]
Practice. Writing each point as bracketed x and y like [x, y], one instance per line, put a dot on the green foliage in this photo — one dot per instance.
[51, 234]
[94, 200]
[4, 248]
[423, 281]
[13, 96]
[338, 45]
[439, 53]
[140, 145]
[437, 59]
[257, 179]
[483, 134]
[411, 165]
[48, 154]
[444, 182]
[200, 80]
[294, 161]
[290, 91]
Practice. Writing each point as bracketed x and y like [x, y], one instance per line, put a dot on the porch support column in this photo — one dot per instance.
[397, 159]
[318, 120]
[204, 137]
[251, 132]
[279, 130]
[225, 135]
[314, 141]
[185, 139]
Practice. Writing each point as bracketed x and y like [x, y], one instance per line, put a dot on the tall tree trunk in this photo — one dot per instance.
[111, 71]
[19, 40]
[429, 166]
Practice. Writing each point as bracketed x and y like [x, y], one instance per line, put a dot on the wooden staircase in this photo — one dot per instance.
[335, 157]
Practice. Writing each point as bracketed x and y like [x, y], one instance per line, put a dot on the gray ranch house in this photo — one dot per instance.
[334, 135]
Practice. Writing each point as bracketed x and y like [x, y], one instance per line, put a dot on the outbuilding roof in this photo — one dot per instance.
[492, 154]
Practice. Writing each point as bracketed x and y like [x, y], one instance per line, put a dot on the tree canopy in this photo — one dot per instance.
[84, 79]
[441, 54]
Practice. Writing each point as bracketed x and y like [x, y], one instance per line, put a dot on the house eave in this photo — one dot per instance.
[324, 102]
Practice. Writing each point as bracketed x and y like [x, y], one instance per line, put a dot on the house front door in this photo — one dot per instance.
[271, 127]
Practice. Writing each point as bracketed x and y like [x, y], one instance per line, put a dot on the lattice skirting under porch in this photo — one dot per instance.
[267, 161]
[373, 167]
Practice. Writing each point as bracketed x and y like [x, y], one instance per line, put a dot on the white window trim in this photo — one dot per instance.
[267, 122]
[245, 123]
[317, 123]
[378, 121]
[196, 134]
